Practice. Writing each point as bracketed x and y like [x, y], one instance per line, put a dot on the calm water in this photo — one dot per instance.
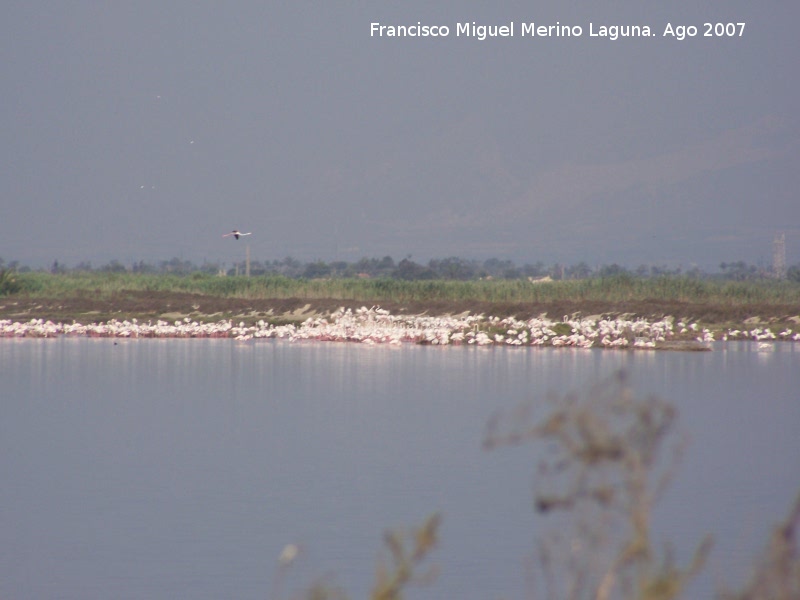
[181, 468]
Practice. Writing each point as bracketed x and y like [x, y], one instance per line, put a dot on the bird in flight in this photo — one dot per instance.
[236, 233]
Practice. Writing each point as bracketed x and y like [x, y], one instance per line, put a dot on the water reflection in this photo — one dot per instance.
[162, 468]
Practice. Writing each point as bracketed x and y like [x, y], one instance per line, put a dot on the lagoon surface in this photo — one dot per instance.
[168, 468]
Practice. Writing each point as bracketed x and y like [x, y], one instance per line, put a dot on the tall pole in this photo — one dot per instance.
[779, 256]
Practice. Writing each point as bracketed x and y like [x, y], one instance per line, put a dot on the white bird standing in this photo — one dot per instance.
[236, 233]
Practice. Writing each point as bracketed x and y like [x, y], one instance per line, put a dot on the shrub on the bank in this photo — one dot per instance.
[8, 282]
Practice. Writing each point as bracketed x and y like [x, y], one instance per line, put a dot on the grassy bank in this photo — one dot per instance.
[99, 297]
[614, 289]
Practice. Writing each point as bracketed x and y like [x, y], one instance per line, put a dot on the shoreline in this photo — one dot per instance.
[378, 326]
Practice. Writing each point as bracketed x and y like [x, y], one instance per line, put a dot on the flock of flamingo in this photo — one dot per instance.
[377, 326]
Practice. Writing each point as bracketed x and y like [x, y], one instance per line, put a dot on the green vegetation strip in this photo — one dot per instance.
[616, 289]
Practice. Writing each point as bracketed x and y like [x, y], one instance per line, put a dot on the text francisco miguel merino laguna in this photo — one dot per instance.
[481, 32]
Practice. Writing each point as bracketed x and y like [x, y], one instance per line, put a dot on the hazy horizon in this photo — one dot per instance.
[764, 265]
[143, 131]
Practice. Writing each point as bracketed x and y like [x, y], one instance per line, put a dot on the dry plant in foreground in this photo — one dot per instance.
[393, 577]
[600, 474]
[606, 458]
[777, 575]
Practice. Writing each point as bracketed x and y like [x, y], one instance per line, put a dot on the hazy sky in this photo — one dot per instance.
[145, 130]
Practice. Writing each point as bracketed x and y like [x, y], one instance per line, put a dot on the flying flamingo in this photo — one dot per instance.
[236, 233]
